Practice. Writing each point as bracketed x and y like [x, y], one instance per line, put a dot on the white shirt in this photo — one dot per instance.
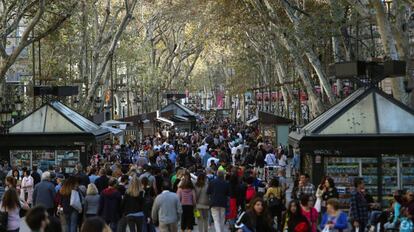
[271, 159]
[283, 161]
[203, 149]
[210, 159]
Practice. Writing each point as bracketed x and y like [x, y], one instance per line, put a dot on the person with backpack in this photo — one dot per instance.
[9, 211]
[274, 198]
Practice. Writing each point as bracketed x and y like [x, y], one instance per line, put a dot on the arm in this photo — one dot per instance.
[34, 196]
[341, 222]
[194, 198]
[324, 221]
[179, 194]
[397, 208]
[179, 210]
[155, 208]
[354, 211]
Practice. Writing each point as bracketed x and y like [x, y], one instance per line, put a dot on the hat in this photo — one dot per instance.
[171, 147]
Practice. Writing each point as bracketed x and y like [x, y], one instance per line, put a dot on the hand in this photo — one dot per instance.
[331, 225]
[356, 224]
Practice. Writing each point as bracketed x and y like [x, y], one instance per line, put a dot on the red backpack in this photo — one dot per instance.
[250, 193]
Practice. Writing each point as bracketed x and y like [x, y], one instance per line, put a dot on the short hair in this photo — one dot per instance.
[46, 176]
[102, 172]
[358, 181]
[306, 175]
[304, 199]
[35, 217]
[166, 186]
[221, 173]
[92, 190]
[93, 224]
[334, 203]
[112, 182]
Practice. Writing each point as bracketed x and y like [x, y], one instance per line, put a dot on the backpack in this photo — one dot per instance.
[273, 201]
[250, 193]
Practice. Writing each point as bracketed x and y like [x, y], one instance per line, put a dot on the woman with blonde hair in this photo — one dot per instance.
[91, 201]
[132, 207]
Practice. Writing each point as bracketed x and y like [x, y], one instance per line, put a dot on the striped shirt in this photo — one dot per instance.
[186, 196]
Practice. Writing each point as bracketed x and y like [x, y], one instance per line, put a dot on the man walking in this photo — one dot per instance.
[359, 206]
[219, 191]
[44, 194]
[167, 209]
[305, 187]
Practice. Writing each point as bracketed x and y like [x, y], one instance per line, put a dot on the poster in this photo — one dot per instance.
[20, 158]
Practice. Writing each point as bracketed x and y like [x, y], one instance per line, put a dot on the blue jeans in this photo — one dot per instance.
[72, 222]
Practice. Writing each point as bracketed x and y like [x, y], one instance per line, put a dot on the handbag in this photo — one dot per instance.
[197, 213]
[75, 201]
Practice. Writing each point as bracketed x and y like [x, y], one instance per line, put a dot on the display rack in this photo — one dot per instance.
[407, 172]
[43, 159]
[67, 159]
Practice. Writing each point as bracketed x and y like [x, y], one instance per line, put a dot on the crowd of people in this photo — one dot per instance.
[222, 177]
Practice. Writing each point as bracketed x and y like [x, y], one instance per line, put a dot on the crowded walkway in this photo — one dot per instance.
[222, 177]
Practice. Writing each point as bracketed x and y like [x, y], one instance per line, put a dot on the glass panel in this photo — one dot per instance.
[20, 158]
[370, 175]
[407, 171]
[43, 159]
[390, 178]
[67, 159]
[342, 171]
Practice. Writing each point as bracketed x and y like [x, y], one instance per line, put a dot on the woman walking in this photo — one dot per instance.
[132, 208]
[256, 218]
[309, 211]
[202, 202]
[187, 197]
[91, 201]
[26, 192]
[274, 198]
[293, 220]
[71, 214]
[11, 205]
[334, 219]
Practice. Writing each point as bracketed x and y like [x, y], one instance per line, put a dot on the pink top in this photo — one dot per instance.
[186, 196]
[312, 220]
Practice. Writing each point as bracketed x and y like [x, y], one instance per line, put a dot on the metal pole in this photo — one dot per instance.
[112, 87]
[34, 70]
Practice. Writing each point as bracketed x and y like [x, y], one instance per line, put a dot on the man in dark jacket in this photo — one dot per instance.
[83, 178]
[102, 181]
[218, 190]
[36, 176]
[44, 194]
[359, 206]
[109, 204]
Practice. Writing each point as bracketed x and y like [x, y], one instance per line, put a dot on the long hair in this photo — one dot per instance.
[69, 185]
[201, 180]
[10, 199]
[297, 217]
[92, 190]
[134, 187]
[12, 181]
[265, 214]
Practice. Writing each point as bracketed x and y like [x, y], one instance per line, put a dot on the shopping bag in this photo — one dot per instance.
[318, 204]
[75, 201]
[326, 229]
[197, 213]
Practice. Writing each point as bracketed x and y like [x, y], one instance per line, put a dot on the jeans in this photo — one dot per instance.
[218, 214]
[202, 221]
[173, 227]
[135, 224]
[71, 222]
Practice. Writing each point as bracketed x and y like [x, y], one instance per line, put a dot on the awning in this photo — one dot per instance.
[251, 121]
[113, 131]
[164, 120]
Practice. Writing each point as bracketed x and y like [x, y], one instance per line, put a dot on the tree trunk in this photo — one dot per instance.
[390, 49]
[86, 105]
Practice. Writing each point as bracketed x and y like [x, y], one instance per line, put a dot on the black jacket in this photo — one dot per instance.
[218, 190]
[255, 223]
[101, 183]
[132, 204]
